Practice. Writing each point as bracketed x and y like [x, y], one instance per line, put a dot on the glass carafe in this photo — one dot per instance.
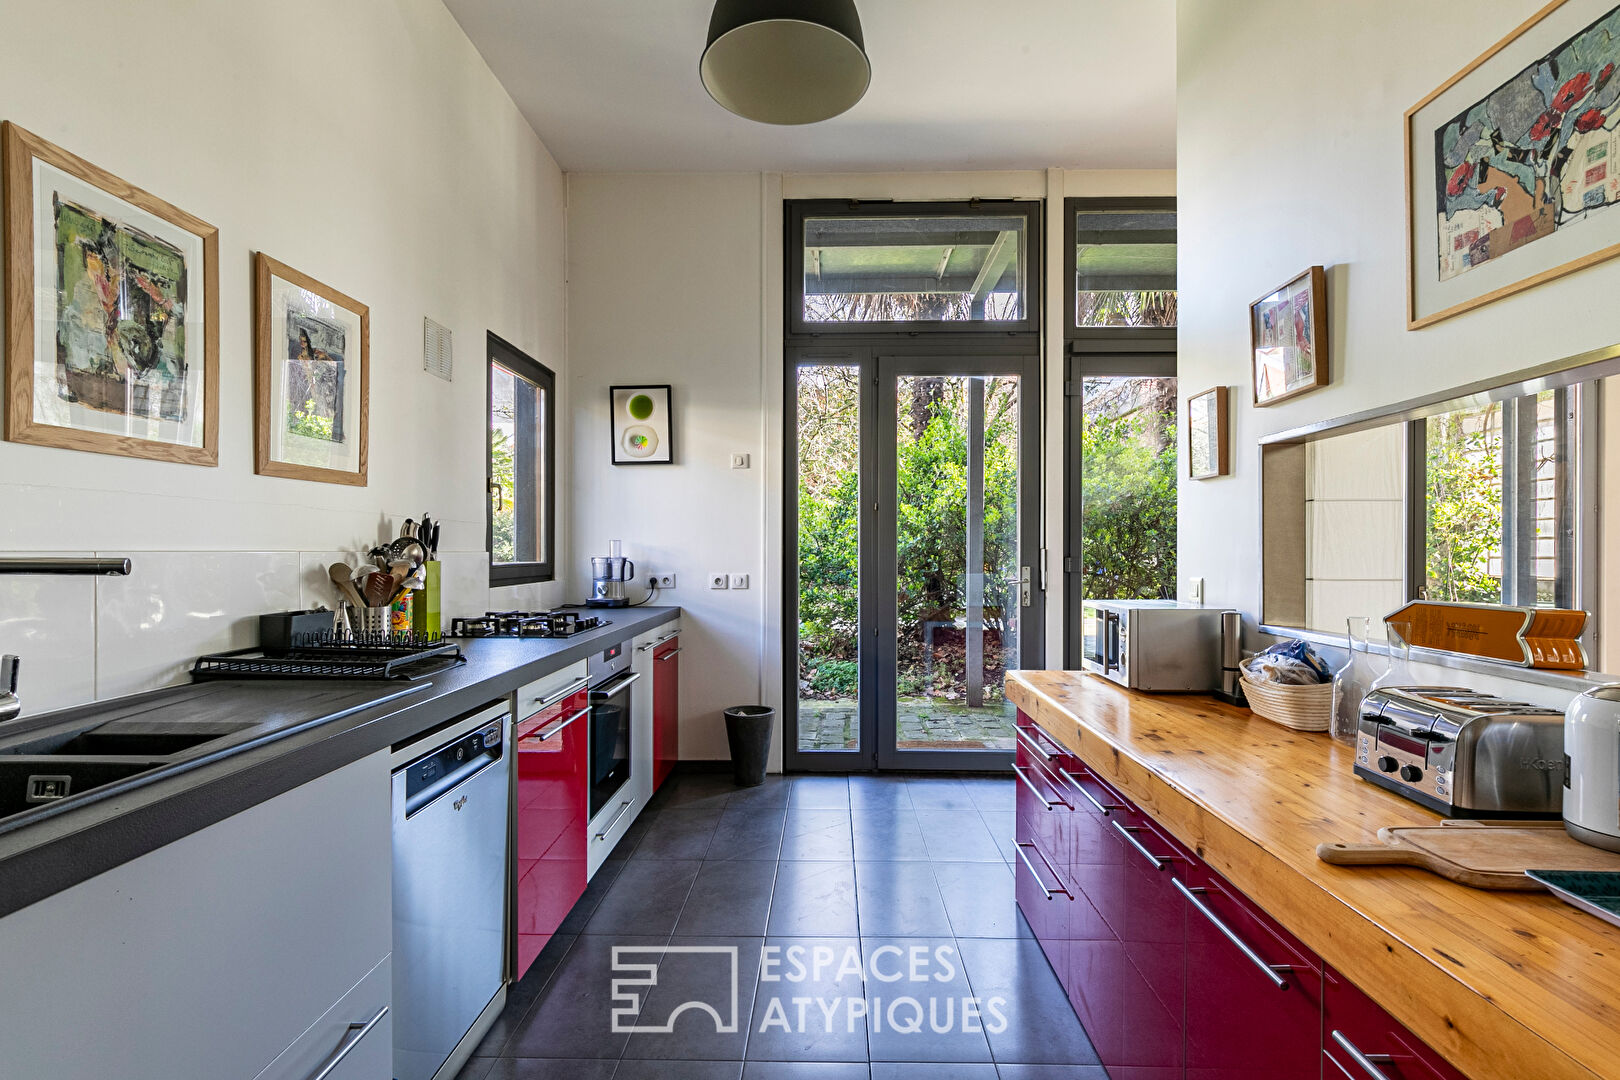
[1398, 672]
[1352, 681]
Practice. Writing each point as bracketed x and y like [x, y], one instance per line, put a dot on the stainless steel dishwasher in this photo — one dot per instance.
[450, 795]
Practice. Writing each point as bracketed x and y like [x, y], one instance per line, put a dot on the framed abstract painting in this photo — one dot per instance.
[1288, 338]
[1511, 164]
[112, 312]
[312, 362]
[643, 428]
[1208, 448]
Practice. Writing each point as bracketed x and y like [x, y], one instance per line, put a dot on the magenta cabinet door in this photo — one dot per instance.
[666, 710]
[1041, 869]
[1152, 929]
[552, 793]
[1359, 1037]
[1254, 993]
[1096, 978]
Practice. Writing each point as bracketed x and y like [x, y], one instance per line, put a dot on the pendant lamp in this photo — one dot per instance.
[785, 61]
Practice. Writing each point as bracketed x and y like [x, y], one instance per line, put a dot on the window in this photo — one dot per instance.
[1122, 263]
[1128, 477]
[522, 467]
[858, 267]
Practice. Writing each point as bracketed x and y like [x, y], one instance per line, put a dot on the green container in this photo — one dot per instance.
[425, 604]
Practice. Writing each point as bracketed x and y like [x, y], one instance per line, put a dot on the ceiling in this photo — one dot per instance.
[612, 85]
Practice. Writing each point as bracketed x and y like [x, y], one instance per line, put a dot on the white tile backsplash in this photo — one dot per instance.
[50, 622]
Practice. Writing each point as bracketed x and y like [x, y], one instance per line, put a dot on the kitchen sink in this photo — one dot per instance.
[27, 783]
[124, 738]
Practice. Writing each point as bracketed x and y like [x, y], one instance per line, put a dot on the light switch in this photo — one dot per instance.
[739, 581]
[739, 461]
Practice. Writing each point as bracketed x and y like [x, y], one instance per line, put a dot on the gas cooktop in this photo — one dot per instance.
[562, 623]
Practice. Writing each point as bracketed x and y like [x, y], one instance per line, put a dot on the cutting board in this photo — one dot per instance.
[1479, 855]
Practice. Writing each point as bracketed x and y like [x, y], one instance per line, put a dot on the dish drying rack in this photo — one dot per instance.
[334, 654]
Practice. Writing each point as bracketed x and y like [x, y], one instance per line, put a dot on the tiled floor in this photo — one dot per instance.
[891, 893]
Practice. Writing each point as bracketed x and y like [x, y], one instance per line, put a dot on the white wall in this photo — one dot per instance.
[1289, 153]
[365, 143]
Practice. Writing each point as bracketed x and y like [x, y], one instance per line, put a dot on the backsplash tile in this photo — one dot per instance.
[50, 622]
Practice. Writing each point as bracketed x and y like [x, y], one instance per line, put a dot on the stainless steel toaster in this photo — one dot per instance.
[1463, 753]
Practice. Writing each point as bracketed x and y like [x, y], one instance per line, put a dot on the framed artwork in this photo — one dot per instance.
[1208, 451]
[1511, 170]
[643, 429]
[112, 312]
[1288, 338]
[312, 366]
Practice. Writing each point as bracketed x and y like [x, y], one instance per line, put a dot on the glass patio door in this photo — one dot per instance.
[913, 540]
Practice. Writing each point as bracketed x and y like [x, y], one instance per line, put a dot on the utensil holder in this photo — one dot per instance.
[369, 620]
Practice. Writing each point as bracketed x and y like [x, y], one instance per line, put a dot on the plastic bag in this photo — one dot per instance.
[1289, 663]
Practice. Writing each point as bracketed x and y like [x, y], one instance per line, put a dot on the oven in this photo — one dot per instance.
[611, 721]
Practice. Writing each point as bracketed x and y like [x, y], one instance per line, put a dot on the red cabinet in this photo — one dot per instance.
[1360, 1041]
[551, 813]
[666, 709]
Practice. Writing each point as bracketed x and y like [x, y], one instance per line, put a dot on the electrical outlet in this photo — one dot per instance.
[664, 581]
[1195, 590]
[719, 581]
[739, 461]
[739, 581]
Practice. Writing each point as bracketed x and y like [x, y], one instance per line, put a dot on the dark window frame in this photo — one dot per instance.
[530, 370]
[1106, 338]
[798, 210]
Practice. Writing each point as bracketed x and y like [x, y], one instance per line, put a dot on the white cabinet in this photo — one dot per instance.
[245, 949]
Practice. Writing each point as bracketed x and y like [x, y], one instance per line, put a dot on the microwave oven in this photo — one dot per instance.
[1152, 645]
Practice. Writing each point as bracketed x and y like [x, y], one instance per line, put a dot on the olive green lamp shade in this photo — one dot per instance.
[786, 61]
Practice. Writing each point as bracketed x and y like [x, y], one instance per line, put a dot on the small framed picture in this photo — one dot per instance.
[1207, 447]
[112, 312]
[643, 427]
[1288, 338]
[312, 354]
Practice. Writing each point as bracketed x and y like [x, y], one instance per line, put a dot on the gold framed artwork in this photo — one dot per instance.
[312, 368]
[1513, 164]
[1208, 448]
[112, 311]
[1288, 338]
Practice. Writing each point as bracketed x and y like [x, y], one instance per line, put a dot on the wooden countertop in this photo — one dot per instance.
[1507, 986]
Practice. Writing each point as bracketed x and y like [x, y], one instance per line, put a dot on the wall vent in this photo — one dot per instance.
[436, 352]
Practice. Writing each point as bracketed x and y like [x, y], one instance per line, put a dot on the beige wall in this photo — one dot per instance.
[1355, 531]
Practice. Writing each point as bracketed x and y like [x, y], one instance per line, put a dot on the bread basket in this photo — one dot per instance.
[1307, 707]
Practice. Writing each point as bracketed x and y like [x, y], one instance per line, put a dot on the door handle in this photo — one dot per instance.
[1022, 581]
[1368, 1063]
[351, 1039]
[546, 733]
[608, 691]
[1270, 971]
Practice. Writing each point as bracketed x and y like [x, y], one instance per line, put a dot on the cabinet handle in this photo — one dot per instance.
[671, 654]
[1271, 971]
[1019, 770]
[543, 735]
[1129, 833]
[562, 695]
[1367, 1062]
[1034, 874]
[651, 645]
[625, 680]
[624, 808]
[351, 1039]
[1034, 747]
[1105, 809]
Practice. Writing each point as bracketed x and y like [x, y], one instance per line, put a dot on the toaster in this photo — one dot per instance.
[1463, 753]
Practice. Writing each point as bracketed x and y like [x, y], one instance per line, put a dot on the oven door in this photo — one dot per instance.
[610, 738]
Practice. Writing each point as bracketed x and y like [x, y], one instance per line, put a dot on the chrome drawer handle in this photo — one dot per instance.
[606, 692]
[1019, 771]
[651, 645]
[1102, 808]
[546, 733]
[672, 654]
[1034, 874]
[1034, 747]
[624, 808]
[562, 695]
[1271, 971]
[1367, 1062]
[351, 1039]
[1129, 833]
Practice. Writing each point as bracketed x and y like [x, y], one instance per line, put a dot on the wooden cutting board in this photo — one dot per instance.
[1476, 854]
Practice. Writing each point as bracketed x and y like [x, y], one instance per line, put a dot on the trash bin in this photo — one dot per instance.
[748, 730]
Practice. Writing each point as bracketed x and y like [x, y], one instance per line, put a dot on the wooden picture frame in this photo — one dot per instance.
[654, 429]
[1288, 338]
[302, 340]
[1500, 239]
[108, 384]
[1209, 447]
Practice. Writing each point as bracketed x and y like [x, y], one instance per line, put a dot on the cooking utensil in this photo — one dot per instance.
[1477, 855]
[411, 549]
[407, 531]
[379, 589]
[342, 575]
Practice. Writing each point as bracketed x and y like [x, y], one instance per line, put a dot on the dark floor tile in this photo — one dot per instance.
[939, 793]
[817, 835]
[521, 995]
[477, 1068]
[820, 792]
[899, 898]
[552, 1069]
[1040, 1023]
[932, 1070]
[580, 914]
[630, 1069]
[958, 836]
[814, 899]
[631, 837]
[801, 1008]
[718, 972]
[729, 897]
[915, 993]
[1051, 1072]
[711, 790]
[880, 791]
[748, 832]
[773, 792]
[678, 833]
[646, 897]
[992, 794]
[574, 1017]
[980, 899]
[805, 1070]
[886, 833]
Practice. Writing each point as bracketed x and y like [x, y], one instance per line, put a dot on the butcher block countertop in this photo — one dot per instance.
[1507, 986]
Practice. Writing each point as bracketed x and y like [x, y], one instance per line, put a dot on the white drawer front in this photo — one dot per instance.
[354, 1040]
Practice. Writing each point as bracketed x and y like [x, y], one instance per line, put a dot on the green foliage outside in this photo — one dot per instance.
[1463, 497]
[502, 472]
[1128, 485]
[309, 423]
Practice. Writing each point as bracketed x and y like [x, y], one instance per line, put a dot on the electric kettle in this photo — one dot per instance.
[1592, 767]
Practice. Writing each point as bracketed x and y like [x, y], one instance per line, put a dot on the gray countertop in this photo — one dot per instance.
[294, 731]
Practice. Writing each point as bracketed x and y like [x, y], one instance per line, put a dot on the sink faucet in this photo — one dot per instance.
[10, 704]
